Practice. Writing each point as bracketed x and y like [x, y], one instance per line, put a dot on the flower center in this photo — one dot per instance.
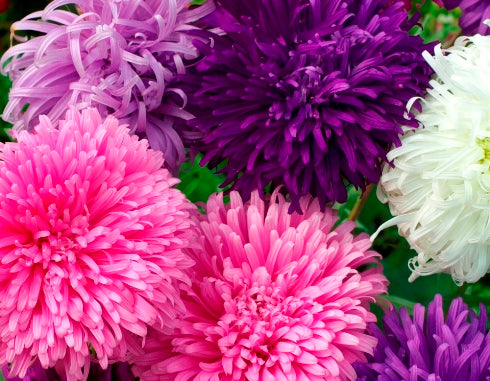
[255, 326]
[301, 88]
[484, 144]
[61, 241]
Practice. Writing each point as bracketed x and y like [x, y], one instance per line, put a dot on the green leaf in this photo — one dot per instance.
[437, 23]
[372, 216]
[197, 182]
[5, 86]
[344, 209]
[421, 290]
[399, 302]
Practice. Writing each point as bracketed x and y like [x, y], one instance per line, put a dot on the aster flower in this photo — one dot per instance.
[309, 94]
[432, 347]
[91, 239]
[121, 57]
[473, 13]
[439, 186]
[117, 371]
[275, 297]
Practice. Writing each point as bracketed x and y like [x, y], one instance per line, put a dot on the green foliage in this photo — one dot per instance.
[5, 85]
[344, 209]
[437, 24]
[197, 182]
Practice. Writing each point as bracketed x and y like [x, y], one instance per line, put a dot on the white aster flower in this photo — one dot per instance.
[439, 187]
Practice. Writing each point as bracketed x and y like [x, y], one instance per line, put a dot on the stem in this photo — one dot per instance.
[449, 41]
[361, 201]
[462, 289]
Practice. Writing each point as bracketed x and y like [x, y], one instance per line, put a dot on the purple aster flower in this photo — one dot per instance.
[430, 347]
[117, 371]
[309, 94]
[120, 56]
[473, 14]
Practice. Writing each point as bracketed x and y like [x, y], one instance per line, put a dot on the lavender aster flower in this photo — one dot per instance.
[473, 14]
[430, 347]
[309, 94]
[120, 56]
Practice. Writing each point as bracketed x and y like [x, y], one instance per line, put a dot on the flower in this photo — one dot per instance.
[121, 57]
[473, 13]
[309, 94]
[91, 244]
[117, 371]
[430, 347]
[439, 186]
[275, 297]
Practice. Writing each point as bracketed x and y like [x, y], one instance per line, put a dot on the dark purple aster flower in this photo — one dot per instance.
[114, 372]
[120, 56]
[473, 14]
[34, 373]
[310, 94]
[432, 347]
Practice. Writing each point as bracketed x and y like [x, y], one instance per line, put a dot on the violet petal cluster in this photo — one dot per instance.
[117, 371]
[121, 57]
[473, 14]
[430, 346]
[310, 94]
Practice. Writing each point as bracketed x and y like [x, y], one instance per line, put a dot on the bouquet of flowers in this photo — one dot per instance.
[245, 190]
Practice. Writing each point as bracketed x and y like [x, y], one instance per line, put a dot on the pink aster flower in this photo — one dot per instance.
[91, 239]
[275, 297]
[120, 56]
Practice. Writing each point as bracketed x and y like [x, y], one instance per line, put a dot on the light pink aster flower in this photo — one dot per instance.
[91, 239]
[120, 56]
[275, 297]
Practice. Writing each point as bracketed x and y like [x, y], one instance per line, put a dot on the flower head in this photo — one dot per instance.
[473, 13]
[309, 94]
[275, 297]
[91, 239]
[120, 57]
[439, 186]
[432, 347]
